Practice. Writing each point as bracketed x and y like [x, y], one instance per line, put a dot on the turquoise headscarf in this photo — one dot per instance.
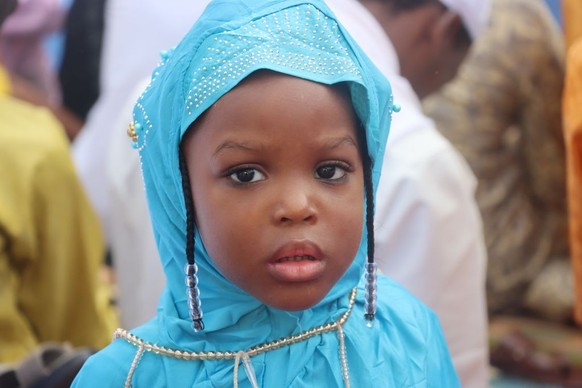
[232, 39]
[229, 42]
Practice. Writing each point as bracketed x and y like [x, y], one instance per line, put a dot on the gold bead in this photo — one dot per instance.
[131, 132]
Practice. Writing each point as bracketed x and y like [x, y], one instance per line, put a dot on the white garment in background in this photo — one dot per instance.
[135, 33]
[428, 227]
[140, 278]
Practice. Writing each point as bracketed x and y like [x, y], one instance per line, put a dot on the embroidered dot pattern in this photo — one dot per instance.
[300, 39]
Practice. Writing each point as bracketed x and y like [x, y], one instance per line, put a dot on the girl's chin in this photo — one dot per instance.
[297, 302]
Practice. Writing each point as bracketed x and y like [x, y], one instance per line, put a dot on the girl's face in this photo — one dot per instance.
[277, 185]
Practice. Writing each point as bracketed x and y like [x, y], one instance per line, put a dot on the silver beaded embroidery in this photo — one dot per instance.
[246, 354]
[276, 41]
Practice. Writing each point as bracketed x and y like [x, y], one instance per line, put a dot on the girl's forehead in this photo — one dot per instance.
[266, 84]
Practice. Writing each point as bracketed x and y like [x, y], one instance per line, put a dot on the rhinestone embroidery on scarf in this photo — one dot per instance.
[288, 41]
[280, 40]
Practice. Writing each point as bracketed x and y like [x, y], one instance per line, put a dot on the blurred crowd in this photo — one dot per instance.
[480, 213]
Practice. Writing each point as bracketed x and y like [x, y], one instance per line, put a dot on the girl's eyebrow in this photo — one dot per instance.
[243, 146]
[231, 144]
[339, 141]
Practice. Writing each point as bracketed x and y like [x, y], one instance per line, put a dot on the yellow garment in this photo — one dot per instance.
[572, 15]
[573, 135]
[51, 247]
[4, 82]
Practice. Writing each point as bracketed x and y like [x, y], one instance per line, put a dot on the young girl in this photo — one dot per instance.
[261, 136]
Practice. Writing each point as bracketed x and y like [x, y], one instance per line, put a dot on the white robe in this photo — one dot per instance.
[428, 227]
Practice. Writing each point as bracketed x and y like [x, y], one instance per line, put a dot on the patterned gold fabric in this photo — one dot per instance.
[503, 112]
[573, 134]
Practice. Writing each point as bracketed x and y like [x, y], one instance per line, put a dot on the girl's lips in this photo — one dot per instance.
[297, 261]
[297, 249]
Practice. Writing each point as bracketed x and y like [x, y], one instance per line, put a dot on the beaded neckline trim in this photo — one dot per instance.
[236, 355]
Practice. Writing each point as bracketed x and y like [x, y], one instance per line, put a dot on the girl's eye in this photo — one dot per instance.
[246, 175]
[331, 172]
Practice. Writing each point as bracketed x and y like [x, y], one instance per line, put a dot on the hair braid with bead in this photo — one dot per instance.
[191, 269]
[370, 266]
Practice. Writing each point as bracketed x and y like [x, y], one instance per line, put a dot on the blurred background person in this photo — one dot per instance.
[33, 72]
[503, 112]
[428, 227]
[80, 63]
[22, 40]
[51, 246]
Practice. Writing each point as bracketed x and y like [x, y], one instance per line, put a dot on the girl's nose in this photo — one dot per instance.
[295, 204]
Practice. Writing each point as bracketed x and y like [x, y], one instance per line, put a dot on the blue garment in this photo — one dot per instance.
[232, 39]
[555, 7]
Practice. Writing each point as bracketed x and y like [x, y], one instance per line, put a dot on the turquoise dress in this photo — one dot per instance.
[246, 343]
